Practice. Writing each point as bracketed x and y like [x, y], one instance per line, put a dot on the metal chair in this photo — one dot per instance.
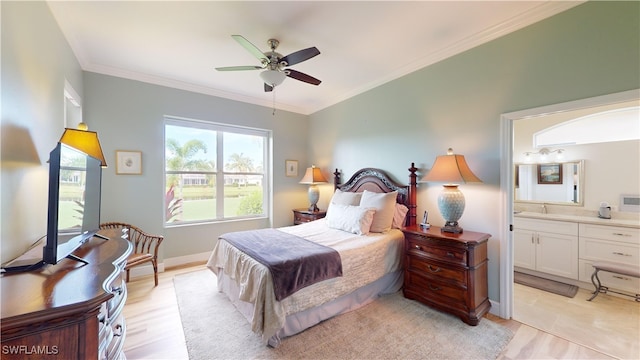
[145, 246]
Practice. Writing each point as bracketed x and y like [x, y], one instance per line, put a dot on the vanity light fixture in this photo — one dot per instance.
[544, 155]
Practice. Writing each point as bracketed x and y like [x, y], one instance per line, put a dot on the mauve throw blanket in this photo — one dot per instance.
[294, 262]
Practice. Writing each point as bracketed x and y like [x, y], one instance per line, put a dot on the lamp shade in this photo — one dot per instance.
[85, 141]
[451, 168]
[313, 176]
[273, 77]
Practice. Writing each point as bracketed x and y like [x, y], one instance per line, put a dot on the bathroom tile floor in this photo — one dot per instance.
[608, 324]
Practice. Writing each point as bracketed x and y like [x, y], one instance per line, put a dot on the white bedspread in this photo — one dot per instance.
[365, 258]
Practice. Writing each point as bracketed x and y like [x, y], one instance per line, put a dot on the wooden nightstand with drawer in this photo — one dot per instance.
[447, 271]
[301, 216]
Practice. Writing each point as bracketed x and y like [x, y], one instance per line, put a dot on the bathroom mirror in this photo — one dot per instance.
[549, 183]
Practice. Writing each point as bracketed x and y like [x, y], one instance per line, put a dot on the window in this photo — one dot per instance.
[214, 171]
[619, 124]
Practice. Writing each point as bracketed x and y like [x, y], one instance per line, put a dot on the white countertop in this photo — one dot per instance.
[579, 219]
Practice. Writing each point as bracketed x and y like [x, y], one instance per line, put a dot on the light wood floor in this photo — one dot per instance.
[154, 329]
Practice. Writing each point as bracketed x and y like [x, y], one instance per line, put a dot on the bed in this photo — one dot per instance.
[370, 255]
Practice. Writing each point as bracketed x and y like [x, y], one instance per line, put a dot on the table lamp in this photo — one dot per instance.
[312, 177]
[451, 169]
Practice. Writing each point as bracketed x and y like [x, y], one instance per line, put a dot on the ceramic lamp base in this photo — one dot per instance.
[314, 196]
[451, 204]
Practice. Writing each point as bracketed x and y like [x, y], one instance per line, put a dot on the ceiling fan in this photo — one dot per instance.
[274, 63]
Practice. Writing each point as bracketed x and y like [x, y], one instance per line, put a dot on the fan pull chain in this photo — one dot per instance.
[274, 101]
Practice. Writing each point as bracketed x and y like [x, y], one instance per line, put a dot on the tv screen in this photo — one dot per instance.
[74, 202]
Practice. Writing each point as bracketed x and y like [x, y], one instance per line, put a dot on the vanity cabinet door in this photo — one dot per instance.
[524, 252]
[549, 247]
[557, 254]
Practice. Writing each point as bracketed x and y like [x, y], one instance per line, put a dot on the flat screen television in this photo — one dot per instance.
[75, 181]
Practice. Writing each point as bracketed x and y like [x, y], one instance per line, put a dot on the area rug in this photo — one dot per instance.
[545, 284]
[391, 327]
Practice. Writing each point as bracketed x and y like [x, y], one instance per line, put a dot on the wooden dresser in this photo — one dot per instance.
[447, 271]
[301, 216]
[68, 310]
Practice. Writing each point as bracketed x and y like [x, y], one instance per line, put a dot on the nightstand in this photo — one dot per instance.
[447, 271]
[304, 215]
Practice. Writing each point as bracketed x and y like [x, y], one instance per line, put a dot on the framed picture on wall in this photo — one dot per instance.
[549, 173]
[128, 162]
[291, 167]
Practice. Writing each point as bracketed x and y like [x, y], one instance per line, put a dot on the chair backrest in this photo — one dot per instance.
[142, 242]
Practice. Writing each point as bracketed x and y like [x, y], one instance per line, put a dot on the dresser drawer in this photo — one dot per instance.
[614, 233]
[301, 216]
[432, 269]
[431, 248]
[437, 291]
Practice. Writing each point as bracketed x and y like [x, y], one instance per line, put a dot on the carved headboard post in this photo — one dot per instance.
[336, 179]
[413, 182]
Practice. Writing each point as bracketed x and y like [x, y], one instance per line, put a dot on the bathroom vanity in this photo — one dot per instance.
[562, 247]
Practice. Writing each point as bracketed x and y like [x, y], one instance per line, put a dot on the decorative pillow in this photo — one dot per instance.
[346, 198]
[353, 219]
[384, 203]
[398, 216]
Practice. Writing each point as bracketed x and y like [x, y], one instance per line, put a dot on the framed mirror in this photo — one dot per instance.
[549, 183]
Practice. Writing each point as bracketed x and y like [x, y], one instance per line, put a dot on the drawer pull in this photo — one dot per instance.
[434, 288]
[117, 290]
[621, 234]
[434, 270]
[621, 277]
[119, 328]
[418, 247]
[621, 254]
[450, 254]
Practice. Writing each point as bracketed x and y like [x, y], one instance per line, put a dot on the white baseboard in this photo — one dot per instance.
[145, 270]
[495, 308]
[187, 259]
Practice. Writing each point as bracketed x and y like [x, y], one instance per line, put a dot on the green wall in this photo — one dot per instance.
[590, 50]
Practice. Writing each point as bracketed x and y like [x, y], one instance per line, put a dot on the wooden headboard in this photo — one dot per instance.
[379, 181]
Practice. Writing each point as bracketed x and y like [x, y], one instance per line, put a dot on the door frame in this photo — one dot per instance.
[506, 180]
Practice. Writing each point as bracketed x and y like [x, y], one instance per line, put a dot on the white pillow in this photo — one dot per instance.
[384, 203]
[346, 198]
[398, 216]
[353, 219]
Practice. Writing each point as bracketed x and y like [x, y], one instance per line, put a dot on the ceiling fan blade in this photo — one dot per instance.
[251, 48]
[238, 68]
[302, 77]
[267, 87]
[300, 56]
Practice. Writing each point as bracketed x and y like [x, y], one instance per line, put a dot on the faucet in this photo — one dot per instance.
[544, 208]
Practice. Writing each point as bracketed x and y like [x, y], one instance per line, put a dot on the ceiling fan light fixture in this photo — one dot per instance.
[273, 77]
